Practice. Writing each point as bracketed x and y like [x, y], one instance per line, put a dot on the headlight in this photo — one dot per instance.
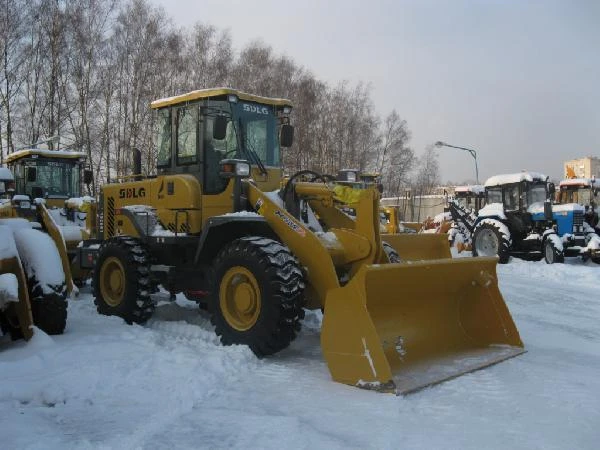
[242, 169]
[351, 177]
[287, 109]
[232, 98]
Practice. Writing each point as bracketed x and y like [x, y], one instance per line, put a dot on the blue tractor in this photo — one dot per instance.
[520, 220]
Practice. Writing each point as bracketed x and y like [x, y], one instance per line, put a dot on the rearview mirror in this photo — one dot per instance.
[220, 128]
[551, 188]
[31, 174]
[286, 135]
[88, 176]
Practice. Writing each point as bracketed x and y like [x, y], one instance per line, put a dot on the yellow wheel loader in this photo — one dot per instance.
[32, 284]
[215, 224]
[47, 188]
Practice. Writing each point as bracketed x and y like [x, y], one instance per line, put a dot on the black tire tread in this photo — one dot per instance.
[138, 307]
[285, 283]
[504, 245]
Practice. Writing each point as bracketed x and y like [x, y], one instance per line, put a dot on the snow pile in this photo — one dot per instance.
[40, 258]
[329, 239]
[170, 384]
[7, 241]
[242, 214]
[500, 180]
[441, 217]
[160, 231]
[78, 202]
[556, 240]
[593, 242]
[9, 289]
[139, 209]
[492, 209]
[6, 174]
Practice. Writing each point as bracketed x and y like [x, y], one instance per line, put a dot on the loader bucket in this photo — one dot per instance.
[416, 247]
[402, 327]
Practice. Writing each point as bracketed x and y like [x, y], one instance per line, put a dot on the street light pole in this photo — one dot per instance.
[470, 150]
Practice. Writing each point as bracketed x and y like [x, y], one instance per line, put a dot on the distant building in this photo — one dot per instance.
[587, 167]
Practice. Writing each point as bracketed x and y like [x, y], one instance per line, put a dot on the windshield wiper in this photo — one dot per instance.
[250, 151]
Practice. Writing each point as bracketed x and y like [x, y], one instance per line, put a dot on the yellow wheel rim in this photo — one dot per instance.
[112, 281]
[239, 298]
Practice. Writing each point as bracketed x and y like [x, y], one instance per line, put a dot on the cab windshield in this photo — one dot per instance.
[52, 179]
[258, 125]
[536, 194]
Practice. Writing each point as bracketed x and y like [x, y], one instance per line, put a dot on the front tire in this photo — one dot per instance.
[121, 281]
[552, 254]
[257, 295]
[488, 240]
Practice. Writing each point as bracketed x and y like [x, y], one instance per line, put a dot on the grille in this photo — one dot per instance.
[110, 217]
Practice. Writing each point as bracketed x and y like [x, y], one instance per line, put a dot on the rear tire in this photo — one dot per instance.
[257, 295]
[48, 309]
[121, 281]
[489, 241]
[552, 255]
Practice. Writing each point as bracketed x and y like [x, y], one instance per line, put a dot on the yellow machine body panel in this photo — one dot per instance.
[176, 198]
[395, 327]
[21, 309]
[419, 246]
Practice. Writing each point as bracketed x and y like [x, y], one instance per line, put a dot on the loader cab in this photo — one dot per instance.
[196, 131]
[583, 191]
[55, 175]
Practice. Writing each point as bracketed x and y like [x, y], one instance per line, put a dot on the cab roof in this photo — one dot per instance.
[509, 178]
[579, 182]
[58, 154]
[217, 92]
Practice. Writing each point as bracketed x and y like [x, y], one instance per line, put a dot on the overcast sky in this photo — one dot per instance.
[519, 81]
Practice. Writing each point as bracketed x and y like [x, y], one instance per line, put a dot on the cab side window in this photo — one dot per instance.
[187, 135]
[215, 151]
[511, 198]
[163, 137]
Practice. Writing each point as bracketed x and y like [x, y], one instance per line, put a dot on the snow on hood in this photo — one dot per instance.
[6, 174]
[40, 257]
[7, 242]
[538, 207]
[9, 289]
[492, 209]
[509, 178]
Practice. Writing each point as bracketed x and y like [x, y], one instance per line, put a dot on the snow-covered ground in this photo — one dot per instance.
[170, 384]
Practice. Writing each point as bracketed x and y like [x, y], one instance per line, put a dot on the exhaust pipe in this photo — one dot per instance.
[137, 164]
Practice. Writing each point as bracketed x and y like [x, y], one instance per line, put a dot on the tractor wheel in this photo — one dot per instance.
[48, 299]
[489, 241]
[257, 295]
[121, 281]
[552, 254]
[391, 253]
[49, 308]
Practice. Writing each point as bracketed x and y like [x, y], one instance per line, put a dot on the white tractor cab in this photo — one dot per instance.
[584, 191]
[471, 197]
